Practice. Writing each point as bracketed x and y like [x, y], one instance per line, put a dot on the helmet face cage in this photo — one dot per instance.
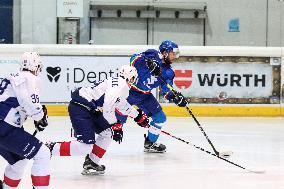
[176, 52]
[129, 73]
[169, 46]
[31, 61]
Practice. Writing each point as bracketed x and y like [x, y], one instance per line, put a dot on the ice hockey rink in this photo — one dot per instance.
[257, 143]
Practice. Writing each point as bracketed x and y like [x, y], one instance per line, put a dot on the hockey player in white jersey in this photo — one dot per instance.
[19, 99]
[93, 110]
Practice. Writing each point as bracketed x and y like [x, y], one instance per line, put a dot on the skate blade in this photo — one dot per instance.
[92, 172]
[154, 151]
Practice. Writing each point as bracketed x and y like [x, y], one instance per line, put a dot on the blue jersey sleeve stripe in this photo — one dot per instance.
[140, 90]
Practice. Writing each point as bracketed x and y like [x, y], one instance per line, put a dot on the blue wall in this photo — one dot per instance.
[6, 21]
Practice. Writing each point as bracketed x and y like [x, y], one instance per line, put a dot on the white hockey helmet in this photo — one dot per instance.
[129, 73]
[31, 61]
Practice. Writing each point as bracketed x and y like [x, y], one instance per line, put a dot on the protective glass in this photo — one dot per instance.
[176, 52]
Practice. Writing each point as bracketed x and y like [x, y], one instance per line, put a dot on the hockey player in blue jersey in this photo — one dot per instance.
[19, 99]
[150, 65]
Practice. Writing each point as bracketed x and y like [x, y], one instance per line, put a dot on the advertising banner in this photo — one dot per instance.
[247, 82]
[282, 81]
[8, 65]
[208, 80]
[65, 73]
[228, 82]
[61, 74]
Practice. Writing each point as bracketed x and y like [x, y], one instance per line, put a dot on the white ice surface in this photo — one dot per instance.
[257, 143]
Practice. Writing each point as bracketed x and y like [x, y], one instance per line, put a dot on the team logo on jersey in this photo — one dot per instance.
[53, 73]
[183, 78]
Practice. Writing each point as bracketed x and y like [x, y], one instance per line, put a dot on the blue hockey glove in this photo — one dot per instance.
[42, 124]
[117, 132]
[153, 66]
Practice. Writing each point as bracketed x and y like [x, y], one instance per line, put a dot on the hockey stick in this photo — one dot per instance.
[35, 132]
[210, 153]
[226, 154]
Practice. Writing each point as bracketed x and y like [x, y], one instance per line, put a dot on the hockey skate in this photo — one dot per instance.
[50, 145]
[91, 168]
[152, 147]
[1, 184]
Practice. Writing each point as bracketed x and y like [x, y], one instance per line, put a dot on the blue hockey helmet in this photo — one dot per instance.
[169, 46]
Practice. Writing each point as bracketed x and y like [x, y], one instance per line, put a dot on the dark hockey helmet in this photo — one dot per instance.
[169, 46]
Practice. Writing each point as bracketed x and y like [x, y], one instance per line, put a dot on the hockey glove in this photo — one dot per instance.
[153, 66]
[42, 124]
[117, 132]
[96, 113]
[142, 119]
[179, 99]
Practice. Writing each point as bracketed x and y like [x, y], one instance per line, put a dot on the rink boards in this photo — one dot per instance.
[202, 110]
[217, 81]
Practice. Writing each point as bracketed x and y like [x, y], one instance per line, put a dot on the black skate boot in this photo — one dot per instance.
[50, 145]
[1, 184]
[152, 147]
[91, 168]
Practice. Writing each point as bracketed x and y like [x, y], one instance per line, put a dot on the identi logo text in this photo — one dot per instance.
[79, 75]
